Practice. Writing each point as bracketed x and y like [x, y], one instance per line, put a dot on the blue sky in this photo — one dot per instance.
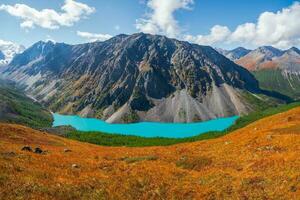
[190, 20]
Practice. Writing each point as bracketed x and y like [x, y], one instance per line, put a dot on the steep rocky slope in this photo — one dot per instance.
[260, 161]
[138, 77]
[275, 69]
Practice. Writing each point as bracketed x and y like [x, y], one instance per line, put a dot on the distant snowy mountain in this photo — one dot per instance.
[8, 51]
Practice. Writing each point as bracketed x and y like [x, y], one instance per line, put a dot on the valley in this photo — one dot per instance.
[16, 107]
[259, 161]
[68, 79]
[150, 100]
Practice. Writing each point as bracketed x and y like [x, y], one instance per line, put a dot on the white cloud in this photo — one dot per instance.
[244, 33]
[161, 19]
[92, 37]
[217, 34]
[72, 12]
[280, 29]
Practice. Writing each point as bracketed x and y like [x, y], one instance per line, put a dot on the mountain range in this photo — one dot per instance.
[139, 77]
[275, 69]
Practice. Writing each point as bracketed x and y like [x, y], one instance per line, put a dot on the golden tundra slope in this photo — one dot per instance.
[260, 161]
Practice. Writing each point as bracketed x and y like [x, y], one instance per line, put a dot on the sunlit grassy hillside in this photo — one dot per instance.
[260, 161]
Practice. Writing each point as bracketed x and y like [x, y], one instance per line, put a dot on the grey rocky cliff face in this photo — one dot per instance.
[139, 77]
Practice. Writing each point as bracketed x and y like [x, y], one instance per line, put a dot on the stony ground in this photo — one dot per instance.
[260, 161]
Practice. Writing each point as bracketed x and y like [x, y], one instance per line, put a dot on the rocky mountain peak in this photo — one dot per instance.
[269, 51]
[234, 54]
[40, 52]
[239, 49]
[139, 77]
[293, 50]
[275, 69]
[237, 53]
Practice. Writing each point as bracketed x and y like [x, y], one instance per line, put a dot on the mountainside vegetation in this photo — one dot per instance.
[275, 80]
[17, 108]
[276, 70]
[259, 161]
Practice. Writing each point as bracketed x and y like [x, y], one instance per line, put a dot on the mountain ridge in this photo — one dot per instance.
[276, 70]
[139, 77]
[234, 54]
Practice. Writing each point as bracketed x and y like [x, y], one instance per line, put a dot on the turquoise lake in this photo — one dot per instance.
[145, 129]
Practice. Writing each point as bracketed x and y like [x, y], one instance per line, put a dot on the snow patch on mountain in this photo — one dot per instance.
[9, 49]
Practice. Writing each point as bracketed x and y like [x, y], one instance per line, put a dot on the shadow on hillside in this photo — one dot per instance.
[278, 95]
